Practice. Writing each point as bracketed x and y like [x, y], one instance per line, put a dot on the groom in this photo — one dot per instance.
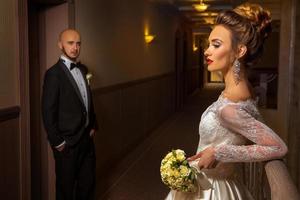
[69, 120]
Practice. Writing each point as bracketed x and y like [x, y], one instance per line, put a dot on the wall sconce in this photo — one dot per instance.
[149, 38]
[195, 48]
[195, 41]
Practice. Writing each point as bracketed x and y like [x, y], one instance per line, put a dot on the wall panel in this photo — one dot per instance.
[10, 159]
[126, 115]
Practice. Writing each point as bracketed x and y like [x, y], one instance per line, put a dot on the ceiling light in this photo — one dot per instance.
[201, 6]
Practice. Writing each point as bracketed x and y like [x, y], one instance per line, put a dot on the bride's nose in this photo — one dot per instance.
[206, 52]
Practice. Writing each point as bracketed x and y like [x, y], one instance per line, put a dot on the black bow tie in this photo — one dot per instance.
[74, 65]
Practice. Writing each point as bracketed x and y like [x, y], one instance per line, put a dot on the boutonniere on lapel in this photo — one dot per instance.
[89, 77]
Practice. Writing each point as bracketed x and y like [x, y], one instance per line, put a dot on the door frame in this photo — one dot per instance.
[47, 18]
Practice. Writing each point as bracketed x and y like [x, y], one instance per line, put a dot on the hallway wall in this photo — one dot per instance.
[9, 54]
[113, 39]
[14, 172]
[133, 82]
[9, 102]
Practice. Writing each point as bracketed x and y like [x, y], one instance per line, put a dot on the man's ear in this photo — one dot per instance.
[242, 50]
[59, 44]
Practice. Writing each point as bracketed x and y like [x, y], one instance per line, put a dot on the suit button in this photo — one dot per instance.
[84, 113]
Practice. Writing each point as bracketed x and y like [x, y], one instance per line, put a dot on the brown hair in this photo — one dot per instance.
[250, 25]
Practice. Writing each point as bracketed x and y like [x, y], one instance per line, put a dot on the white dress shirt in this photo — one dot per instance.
[79, 79]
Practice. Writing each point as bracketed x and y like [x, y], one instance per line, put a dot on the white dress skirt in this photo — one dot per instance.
[219, 188]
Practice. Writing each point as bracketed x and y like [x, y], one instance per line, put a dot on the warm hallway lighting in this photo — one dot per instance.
[149, 38]
[195, 48]
[201, 6]
[209, 20]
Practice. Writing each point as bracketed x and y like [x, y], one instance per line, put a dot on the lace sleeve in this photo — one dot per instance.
[267, 145]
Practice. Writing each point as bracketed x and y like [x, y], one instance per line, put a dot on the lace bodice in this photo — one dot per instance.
[237, 133]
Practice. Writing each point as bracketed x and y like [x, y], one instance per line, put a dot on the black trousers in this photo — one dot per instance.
[75, 170]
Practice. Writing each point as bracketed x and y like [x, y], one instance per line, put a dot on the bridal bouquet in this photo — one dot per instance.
[176, 172]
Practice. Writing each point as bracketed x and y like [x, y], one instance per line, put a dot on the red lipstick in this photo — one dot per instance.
[208, 61]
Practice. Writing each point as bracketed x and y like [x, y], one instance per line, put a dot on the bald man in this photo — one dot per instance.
[69, 120]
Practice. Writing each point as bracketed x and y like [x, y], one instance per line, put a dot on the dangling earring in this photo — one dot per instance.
[236, 71]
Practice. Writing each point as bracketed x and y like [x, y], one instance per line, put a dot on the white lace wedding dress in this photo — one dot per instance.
[238, 135]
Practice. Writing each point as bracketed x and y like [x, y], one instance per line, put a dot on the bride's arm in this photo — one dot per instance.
[267, 145]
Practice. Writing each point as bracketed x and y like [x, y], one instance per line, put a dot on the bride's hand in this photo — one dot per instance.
[207, 158]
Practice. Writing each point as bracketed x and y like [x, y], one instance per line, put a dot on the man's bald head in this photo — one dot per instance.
[67, 32]
[69, 43]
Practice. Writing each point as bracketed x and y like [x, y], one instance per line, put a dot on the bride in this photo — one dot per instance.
[231, 130]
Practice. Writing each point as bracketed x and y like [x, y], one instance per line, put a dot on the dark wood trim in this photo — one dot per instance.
[25, 172]
[119, 86]
[9, 113]
[44, 158]
[35, 79]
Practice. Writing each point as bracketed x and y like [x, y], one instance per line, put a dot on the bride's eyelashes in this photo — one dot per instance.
[215, 45]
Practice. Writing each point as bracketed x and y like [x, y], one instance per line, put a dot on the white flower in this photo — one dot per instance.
[89, 77]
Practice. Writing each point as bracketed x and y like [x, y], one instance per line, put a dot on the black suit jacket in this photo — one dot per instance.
[63, 110]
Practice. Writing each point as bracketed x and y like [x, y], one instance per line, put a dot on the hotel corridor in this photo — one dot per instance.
[150, 84]
[140, 180]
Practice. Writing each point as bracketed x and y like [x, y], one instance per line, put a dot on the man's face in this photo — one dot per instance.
[70, 44]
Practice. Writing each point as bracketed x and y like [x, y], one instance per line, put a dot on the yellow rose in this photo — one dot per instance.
[184, 170]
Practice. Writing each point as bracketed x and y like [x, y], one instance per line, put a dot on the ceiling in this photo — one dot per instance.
[206, 18]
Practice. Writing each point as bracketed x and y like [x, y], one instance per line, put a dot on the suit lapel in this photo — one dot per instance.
[88, 90]
[72, 80]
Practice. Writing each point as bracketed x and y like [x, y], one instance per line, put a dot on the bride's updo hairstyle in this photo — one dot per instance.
[249, 25]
